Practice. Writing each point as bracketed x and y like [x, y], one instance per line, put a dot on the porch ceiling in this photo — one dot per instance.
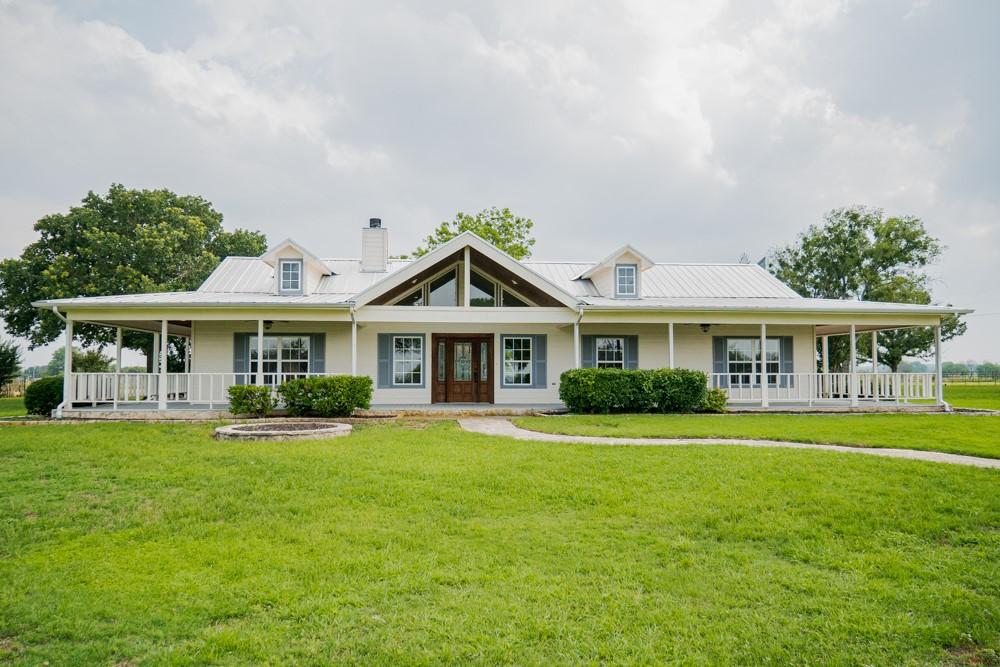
[174, 327]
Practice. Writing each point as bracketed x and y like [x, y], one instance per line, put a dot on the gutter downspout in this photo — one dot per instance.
[59, 408]
[354, 342]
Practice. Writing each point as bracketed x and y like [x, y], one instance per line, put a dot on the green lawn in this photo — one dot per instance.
[154, 544]
[973, 395]
[978, 435]
[12, 407]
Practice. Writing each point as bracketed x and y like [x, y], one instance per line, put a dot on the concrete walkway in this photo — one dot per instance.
[503, 427]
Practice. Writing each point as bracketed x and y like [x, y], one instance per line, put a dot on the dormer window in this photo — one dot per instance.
[626, 280]
[290, 276]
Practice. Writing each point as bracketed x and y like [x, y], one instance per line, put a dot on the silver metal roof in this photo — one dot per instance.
[249, 281]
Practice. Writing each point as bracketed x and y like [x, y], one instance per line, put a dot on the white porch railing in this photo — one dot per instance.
[209, 389]
[827, 387]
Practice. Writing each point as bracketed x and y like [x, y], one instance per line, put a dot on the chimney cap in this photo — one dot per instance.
[374, 223]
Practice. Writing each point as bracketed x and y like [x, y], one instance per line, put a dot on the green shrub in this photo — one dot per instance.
[43, 396]
[678, 389]
[715, 401]
[607, 390]
[251, 399]
[332, 396]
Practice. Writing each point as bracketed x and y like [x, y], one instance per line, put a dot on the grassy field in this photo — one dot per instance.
[11, 407]
[419, 543]
[973, 395]
[978, 435]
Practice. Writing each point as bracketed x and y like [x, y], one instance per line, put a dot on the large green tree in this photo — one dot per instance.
[124, 242]
[499, 226]
[860, 253]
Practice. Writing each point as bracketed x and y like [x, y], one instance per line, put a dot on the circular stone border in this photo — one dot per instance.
[273, 430]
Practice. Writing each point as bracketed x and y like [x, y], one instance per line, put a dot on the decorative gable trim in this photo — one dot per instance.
[611, 260]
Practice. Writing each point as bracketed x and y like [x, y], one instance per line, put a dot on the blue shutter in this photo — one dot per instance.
[538, 364]
[787, 360]
[384, 361]
[317, 353]
[719, 361]
[241, 357]
[631, 352]
[588, 351]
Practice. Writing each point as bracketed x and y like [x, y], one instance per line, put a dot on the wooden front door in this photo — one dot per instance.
[462, 367]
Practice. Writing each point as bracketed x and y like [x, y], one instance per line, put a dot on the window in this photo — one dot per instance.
[415, 298]
[743, 361]
[610, 352]
[512, 301]
[284, 358]
[444, 289]
[625, 280]
[517, 361]
[407, 360]
[483, 291]
[290, 271]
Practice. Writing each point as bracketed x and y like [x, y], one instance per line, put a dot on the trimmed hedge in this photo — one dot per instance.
[607, 390]
[251, 399]
[715, 401]
[333, 396]
[43, 396]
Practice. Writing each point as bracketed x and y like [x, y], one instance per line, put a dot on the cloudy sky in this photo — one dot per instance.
[697, 132]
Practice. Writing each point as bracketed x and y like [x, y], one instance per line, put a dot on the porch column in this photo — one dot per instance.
[68, 364]
[259, 381]
[939, 393]
[156, 354]
[670, 346]
[354, 345]
[826, 353]
[467, 280]
[854, 368]
[162, 393]
[187, 355]
[763, 365]
[874, 351]
[576, 343]
[118, 350]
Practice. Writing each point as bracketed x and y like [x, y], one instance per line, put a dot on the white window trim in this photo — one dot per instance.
[530, 360]
[392, 358]
[597, 353]
[280, 361]
[635, 281]
[282, 263]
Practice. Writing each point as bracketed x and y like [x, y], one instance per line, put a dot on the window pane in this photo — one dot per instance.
[484, 363]
[407, 360]
[511, 301]
[441, 361]
[625, 276]
[444, 290]
[482, 292]
[414, 298]
[610, 352]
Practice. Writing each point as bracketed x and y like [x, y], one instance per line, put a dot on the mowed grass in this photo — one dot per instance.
[976, 435]
[419, 543]
[12, 407]
[983, 396]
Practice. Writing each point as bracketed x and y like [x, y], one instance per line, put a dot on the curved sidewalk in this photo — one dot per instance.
[505, 428]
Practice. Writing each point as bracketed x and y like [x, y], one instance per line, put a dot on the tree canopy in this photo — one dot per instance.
[10, 361]
[124, 242]
[859, 253]
[499, 226]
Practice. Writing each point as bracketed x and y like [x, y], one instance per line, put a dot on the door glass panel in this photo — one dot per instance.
[442, 361]
[482, 292]
[484, 361]
[463, 361]
[444, 290]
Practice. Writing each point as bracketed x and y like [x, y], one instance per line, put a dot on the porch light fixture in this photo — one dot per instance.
[705, 328]
[268, 324]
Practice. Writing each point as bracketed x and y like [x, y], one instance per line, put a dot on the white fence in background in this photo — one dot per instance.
[203, 389]
[827, 387]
